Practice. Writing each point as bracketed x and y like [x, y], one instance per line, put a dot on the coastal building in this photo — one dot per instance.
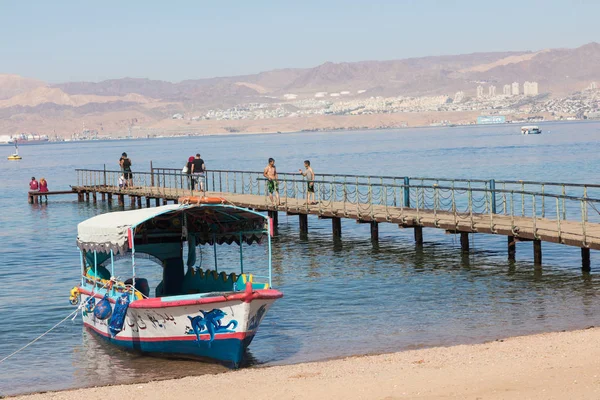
[492, 91]
[320, 94]
[515, 88]
[459, 97]
[530, 88]
[592, 86]
[491, 119]
[290, 96]
[507, 91]
[479, 92]
[361, 91]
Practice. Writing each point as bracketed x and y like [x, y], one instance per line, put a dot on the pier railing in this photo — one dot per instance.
[375, 196]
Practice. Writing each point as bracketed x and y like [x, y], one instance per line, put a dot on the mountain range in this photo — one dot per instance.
[32, 105]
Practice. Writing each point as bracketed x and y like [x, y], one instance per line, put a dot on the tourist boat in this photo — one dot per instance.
[15, 155]
[530, 130]
[207, 313]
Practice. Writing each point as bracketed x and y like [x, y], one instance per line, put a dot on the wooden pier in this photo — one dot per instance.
[552, 213]
[34, 197]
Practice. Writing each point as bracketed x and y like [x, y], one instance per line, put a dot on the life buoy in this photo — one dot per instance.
[74, 297]
[200, 200]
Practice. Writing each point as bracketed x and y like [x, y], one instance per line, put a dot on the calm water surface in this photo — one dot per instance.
[341, 298]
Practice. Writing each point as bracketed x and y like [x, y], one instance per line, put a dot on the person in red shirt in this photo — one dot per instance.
[44, 187]
[34, 186]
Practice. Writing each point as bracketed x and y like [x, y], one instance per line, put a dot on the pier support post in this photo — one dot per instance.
[109, 198]
[537, 252]
[79, 197]
[336, 226]
[419, 236]
[139, 201]
[585, 259]
[165, 201]
[94, 197]
[274, 215]
[303, 223]
[132, 200]
[147, 202]
[103, 196]
[157, 202]
[374, 231]
[512, 248]
[87, 196]
[121, 199]
[464, 242]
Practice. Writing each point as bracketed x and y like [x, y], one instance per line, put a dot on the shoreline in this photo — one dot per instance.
[557, 365]
[306, 131]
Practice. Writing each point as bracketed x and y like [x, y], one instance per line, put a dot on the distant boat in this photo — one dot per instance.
[530, 130]
[15, 155]
[32, 138]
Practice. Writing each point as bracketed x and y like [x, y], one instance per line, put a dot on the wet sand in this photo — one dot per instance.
[563, 365]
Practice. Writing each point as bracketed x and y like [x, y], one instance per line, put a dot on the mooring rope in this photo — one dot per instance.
[39, 337]
[73, 314]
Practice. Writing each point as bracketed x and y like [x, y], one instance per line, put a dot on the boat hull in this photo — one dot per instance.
[184, 326]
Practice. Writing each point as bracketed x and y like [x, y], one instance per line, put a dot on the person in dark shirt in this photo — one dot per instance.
[198, 169]
[190, 167]
[125, 164]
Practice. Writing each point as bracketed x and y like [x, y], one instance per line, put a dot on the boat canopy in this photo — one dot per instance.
[529, 127]
[202, 224]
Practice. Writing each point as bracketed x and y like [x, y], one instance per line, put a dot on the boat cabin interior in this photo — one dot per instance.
[165, 234]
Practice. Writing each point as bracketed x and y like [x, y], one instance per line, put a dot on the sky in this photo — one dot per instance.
[61, 41]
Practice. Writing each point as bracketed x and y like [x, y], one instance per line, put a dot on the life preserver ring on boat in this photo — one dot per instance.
[200, 200]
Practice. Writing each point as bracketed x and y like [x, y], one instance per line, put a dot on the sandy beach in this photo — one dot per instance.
[562, 365]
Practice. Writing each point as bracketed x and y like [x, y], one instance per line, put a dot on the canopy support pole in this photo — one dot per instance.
[112, 264]
[215, 251]
[82, 259]
[95, 264]
[270, 258]
[241, 253]
[132, 264]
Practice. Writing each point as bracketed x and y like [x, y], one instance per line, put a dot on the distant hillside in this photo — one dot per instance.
[30, 102]
[12, 85]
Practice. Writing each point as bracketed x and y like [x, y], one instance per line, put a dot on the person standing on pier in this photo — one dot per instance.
[310, 182]
[198, 169]
[188, 170]
[44, 188]
[270, 173]
[125, 164]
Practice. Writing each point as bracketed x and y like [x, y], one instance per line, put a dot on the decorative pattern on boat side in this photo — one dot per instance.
[210, 322]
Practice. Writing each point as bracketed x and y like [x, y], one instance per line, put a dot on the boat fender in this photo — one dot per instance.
[90, 304]
[75, 296]
[103, 310]
[200, 200]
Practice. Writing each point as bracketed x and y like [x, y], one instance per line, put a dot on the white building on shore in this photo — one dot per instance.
[530, 88]
[515, 88]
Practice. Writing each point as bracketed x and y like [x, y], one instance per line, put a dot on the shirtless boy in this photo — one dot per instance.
[310, 182]
[270, 173]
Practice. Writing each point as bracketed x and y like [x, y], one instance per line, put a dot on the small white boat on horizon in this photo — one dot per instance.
[530, 130]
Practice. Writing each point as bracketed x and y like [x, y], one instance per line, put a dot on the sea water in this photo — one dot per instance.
[341, 298]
